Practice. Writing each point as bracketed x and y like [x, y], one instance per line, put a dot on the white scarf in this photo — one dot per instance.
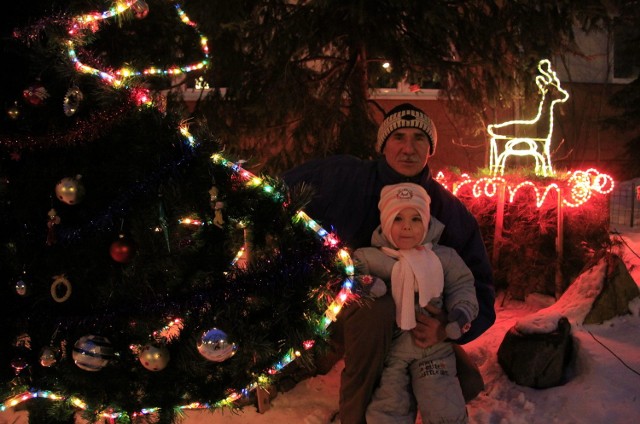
[418, 270]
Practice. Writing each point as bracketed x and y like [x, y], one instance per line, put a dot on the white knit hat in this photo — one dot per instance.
[394, 198]
[406, 116]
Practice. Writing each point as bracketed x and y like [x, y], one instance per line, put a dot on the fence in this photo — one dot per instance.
[624, 205]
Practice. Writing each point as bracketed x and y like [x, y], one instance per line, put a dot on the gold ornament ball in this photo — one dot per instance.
[48, 356]
[70, 190]
[140, 9]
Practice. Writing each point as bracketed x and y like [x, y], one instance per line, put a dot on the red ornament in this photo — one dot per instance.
[35, 95]
[140, 9]
[122, 250]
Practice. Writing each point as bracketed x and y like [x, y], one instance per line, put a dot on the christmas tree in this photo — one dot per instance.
[143, 272]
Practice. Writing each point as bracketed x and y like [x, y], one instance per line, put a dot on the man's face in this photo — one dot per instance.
[407, 151]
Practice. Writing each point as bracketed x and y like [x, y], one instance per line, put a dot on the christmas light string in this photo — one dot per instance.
[576, 187]
[329, 239]
[83, 24]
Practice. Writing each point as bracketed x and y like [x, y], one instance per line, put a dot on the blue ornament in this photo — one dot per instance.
[214, 345]
[92, 353]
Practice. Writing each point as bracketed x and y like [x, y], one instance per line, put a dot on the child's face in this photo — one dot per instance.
[407, 229]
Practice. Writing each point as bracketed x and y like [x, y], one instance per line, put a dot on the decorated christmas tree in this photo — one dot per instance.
[142, 271]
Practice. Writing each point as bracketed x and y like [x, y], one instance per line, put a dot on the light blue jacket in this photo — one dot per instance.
[459, 293]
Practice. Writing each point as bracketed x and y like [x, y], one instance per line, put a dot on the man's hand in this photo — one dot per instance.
[429, 330]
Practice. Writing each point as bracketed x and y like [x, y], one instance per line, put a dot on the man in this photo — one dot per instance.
[347, 192]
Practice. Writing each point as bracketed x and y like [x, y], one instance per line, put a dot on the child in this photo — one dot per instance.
[422, 273]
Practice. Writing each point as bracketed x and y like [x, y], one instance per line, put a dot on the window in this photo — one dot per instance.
[626, 50]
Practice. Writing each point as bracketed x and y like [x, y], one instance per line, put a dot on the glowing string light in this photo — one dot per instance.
[329, 239]
[577, 187]
[191, 221]
[184, 130]
[514, 144]
[170, 331]
[239, 255]
[89, 23]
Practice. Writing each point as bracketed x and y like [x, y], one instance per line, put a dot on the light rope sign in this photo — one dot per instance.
[509, 139]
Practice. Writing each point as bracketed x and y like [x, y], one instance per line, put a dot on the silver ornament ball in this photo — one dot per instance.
[92, 353]
[215, 346]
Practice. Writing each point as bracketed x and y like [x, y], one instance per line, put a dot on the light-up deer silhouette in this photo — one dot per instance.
[513, 144]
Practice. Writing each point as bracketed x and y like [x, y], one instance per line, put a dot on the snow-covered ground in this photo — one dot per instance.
[605, 388]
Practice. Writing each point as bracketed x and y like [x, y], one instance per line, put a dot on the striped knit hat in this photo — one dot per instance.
[406, 116]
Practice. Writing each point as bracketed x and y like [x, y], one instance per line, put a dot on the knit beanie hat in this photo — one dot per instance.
[406, 116]
[394, 198]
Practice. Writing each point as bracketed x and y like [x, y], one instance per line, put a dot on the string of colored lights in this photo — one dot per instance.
[90, 23]
[577, 187]
[81, 405]
[328, 238]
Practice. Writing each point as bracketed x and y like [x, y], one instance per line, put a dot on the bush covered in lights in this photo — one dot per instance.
[526, 257]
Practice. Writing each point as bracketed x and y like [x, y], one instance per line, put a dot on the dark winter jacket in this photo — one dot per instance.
[347, 191]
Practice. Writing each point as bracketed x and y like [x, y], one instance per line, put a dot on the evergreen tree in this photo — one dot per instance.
[139, 268]
[299, 73]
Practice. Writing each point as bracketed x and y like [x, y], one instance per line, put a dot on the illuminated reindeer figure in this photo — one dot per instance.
[516, 145]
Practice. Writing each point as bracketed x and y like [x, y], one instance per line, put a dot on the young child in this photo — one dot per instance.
[421, 273]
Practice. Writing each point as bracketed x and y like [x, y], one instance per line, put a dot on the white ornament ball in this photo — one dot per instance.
[214, 345]
[154, 358]
[92, 353]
